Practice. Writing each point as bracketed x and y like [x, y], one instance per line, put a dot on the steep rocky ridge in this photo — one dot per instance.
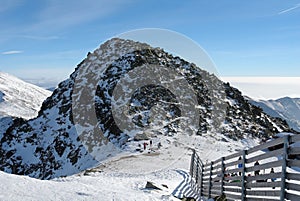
[50, 145]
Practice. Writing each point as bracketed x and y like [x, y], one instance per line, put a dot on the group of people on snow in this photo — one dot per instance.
[149, 145]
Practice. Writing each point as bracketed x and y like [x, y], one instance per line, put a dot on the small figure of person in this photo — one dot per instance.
[256, 172]
[145, 145]
[272, 179]
[159, 145]
[226, 175]
[240, 165]
[150, 143]
[139, 148]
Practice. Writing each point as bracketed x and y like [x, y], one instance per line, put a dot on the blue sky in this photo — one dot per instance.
[46, 39]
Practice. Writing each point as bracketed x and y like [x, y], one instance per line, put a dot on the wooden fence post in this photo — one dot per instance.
[284, 164]
[197, 169]
[244, 191]
[196, 172]
[192, 163]
[210, 179]
[223, 175]
[201, 179]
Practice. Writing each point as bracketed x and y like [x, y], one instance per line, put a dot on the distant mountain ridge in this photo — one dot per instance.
[286, 108]
[49, 146]
[19, 98]
[51, 89]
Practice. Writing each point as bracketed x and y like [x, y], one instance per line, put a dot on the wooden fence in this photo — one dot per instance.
[238, 178]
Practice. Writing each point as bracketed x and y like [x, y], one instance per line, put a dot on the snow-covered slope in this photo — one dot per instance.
[77, 127]
[286, 108]
[95, 187]
[20, 99]
[123, 177]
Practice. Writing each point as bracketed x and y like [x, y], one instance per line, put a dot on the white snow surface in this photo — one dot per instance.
[20, 99]
[124, 176]
[95, 187]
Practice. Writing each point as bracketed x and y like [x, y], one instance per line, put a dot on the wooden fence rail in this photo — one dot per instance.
[266, 172]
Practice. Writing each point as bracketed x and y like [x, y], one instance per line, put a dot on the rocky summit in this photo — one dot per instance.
[86, 113]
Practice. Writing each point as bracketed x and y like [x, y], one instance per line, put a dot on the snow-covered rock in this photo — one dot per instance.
[286, 108]
[5, 123]
[19, 98]
[77, 126]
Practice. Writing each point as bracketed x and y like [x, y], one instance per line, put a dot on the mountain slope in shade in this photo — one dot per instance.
[20, 99]
[286, 108]
[48, 146]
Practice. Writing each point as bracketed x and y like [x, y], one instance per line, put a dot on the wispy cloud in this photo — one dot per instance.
[58, 15]
[289, 9]
[12, 52]
[54, 16]
[8, 4]
[40, 37]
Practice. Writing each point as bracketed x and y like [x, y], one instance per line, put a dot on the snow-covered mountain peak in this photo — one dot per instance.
[286, 108]
[20, 99]
[77, 124]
